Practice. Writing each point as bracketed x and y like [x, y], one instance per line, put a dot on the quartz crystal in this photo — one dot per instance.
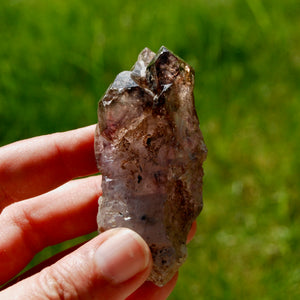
[150, 150]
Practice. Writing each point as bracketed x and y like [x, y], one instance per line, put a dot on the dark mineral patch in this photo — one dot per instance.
[150, 150]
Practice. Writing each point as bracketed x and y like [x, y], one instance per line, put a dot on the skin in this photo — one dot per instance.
[41, 204]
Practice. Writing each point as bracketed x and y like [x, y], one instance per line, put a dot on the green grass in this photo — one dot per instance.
[58, 57]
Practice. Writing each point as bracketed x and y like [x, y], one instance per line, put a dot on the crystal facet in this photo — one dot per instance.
[150, 151]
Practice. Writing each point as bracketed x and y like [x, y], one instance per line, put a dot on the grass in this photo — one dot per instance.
[58, 57]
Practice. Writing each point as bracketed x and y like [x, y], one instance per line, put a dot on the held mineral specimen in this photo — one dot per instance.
[150, 151]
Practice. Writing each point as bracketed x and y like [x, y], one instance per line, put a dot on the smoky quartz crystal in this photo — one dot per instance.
[150, 150]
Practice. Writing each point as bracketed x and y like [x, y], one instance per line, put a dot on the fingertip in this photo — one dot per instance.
[122, 256]
[192, 232]
[150, 291]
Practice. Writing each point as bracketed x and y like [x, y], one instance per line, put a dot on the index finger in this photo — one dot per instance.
[34, 166]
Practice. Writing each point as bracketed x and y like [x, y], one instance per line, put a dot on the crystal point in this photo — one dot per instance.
[150, 150]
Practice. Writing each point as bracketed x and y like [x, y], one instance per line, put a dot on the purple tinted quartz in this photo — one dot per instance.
[150, 150]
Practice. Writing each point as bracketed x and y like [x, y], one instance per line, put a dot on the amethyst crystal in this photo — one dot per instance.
[150, 151]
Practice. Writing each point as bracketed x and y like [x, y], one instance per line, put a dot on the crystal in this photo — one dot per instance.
[150, 150]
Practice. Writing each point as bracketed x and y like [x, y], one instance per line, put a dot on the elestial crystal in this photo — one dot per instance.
[150, 151]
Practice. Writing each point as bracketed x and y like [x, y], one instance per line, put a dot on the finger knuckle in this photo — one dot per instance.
[19, 217]
[55, 283]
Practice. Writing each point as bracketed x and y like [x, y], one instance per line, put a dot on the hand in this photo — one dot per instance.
[38, 208]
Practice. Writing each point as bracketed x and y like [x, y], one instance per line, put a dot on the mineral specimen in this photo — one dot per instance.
[150, 151]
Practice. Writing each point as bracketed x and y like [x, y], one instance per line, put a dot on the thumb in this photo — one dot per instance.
[111, 266]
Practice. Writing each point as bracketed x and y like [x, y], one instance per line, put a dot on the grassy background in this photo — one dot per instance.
[58, 57]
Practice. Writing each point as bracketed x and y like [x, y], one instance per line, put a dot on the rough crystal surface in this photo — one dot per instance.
[150, 151]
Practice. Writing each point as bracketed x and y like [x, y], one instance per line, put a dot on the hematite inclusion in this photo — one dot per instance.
[150, 150]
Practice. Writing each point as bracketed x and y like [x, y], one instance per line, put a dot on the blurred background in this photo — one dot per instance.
[57, 58]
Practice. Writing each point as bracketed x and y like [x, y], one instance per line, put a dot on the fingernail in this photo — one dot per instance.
[122, 256]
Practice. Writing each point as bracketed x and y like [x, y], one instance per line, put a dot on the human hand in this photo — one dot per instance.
[38, 208]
